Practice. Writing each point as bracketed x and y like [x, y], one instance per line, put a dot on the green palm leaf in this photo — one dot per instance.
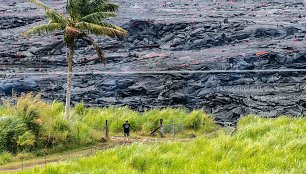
[98, 17]
[109, 7]
[100, 30]
[56, 17]
[74, 8]
[51, 13]
[46, 28]
[39, 4]
[101, 5]
[105, 24]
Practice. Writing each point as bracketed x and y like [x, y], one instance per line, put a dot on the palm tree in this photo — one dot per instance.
[84, 17]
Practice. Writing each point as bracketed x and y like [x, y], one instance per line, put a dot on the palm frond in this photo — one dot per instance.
[108, 7]
[98, 49]
[56, 17]
[74, 8]
[105, 24]
[45, 28]
[78, 9]
[39, 4]
[101, 5]
[100, 30]
[98, 17]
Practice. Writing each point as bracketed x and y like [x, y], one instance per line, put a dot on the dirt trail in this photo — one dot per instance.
[90, 151]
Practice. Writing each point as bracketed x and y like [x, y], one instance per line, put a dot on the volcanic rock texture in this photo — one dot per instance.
[230, 58]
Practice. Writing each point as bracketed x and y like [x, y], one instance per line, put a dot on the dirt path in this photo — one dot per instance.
[90, 151]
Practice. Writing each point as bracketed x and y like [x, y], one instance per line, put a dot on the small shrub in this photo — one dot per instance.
[208, 124]
[116, 125]
[95, 119]
[5, 157]
[79, 109]
[140, 162]
[26, 140]
[61, 131]
[82, 133]
[194, 120]
[10, 130]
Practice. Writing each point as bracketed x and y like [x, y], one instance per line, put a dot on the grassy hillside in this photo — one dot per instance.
[31, 127]
[260, 146]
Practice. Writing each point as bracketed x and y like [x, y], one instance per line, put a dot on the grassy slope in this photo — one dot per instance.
[260, 146]
[32, 127]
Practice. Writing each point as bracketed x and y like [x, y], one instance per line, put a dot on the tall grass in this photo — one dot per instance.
[261, 145]
[32, 125]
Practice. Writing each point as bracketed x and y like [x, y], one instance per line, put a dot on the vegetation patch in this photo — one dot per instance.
[260, 145]
[31, 127]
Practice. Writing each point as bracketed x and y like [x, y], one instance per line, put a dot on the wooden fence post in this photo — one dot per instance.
[161, 127]
[106, 130]
[173, 129]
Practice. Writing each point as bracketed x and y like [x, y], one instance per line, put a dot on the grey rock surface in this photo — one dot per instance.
[184, 36]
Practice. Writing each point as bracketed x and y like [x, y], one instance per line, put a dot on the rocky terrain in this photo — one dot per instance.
[229, 57]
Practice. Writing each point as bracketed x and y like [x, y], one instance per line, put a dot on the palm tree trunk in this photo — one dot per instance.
[69, 57]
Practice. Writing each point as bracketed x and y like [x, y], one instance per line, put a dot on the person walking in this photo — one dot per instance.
[126, 131]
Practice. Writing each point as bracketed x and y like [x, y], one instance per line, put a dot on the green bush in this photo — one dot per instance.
[79, 109]
[26, 140]
[95, 119]
[10, 130]
[61, 131]
[82, 133]
[5, 157]
[3, 110]
[194, 120]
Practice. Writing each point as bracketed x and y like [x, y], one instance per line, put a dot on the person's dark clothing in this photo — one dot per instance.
[126, 134]
[126, 127]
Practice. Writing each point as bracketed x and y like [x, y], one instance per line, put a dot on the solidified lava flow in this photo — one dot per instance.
[186, 36]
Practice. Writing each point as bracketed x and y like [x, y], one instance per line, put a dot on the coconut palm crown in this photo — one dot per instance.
[84, 17]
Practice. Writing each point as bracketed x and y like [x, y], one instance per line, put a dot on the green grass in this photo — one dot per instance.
[260, 145]
[32, 127]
